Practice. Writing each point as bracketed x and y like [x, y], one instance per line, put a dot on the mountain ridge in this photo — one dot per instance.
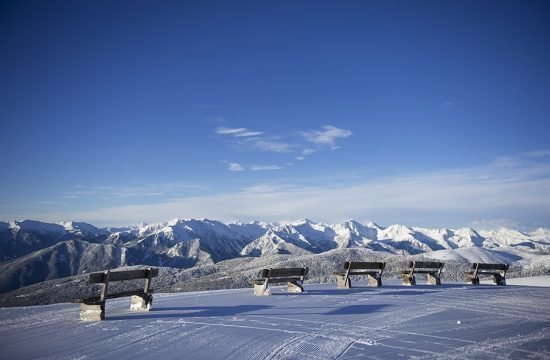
[33, 251]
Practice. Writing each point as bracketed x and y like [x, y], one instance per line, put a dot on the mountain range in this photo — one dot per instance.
[33, 251]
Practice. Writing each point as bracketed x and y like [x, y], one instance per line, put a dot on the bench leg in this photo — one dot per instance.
[342, 282]
[92, 312]
[433, 279]
[409, 279]
[295, 287]
[375, 281]
[499, 279]
[473, 280]
[261, 289]
[137, 303]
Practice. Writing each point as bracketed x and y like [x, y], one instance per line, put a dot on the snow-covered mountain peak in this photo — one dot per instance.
[467, 231]
[397, 232]
[304, 221]
[186, 243]
[350, 227]
[506, 237]
[79, 228]
[36, 227]
[13, 226]
[222, 240]
[173, 222]
[541, 234]
[352, 223]
[373, 225]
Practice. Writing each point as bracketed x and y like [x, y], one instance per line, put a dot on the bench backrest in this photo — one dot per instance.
[108, 276]
[285, 272]
[426, 264]
[483, 266]
[361, 265]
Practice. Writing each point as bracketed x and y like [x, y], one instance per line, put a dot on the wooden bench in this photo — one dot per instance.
[432, 269]
[93, 308]
[293, 276]
[373, 270]
[497, 270]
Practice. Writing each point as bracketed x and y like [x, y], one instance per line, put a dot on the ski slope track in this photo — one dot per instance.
[452, 321]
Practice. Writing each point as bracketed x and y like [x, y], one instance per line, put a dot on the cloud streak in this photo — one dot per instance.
[306, 144]
[147, 190]
[272, 146]
[237, 132]
[265, 167]
[235, 167]
[327, 136]
[518, 191]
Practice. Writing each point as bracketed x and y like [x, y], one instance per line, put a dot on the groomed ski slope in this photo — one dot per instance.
[452, 321]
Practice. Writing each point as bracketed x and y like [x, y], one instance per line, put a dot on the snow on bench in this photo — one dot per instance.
[373, 270]
[293, 276]
[497, 270]
[93, 308]
[432, 269]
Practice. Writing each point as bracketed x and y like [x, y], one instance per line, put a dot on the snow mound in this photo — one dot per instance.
[475, 255]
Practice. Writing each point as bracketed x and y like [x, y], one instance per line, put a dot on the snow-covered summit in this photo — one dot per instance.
[30, 245]
[36, 227]
[80, 228]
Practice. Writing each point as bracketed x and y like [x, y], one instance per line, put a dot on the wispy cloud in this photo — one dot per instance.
[265, 167]
[305, 152]
[235, 167]
[518, 192]
[327, 136]
[299, 147]
[538, 153]
[237, 132]
[273, 146]
[147, 190]
[494, 224]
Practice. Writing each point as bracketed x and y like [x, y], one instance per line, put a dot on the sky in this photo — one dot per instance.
[426, 113]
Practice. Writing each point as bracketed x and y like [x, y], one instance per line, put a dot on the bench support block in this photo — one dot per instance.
[295, 287]
[343, 282]
[472, 280]
[375, 281]
[137, 303]
[433, 279]
[409, 279]
[499, 279]
[261, 290]
[92, 312]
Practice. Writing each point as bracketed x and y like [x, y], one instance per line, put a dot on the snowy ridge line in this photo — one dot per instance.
[70, 248]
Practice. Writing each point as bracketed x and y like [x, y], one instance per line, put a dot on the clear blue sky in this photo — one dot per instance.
[428, 113]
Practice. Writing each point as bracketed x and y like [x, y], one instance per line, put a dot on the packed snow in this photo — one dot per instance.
[451, 321]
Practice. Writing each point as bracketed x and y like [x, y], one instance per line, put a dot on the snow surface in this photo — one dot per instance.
[452, 321]
[530, 281]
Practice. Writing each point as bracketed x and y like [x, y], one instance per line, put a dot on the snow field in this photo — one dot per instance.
[452, 321]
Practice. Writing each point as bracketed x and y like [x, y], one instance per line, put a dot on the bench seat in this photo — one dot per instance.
[373, 271]
[432, 269]
[294, 277]
[498, 271]
[92, 308]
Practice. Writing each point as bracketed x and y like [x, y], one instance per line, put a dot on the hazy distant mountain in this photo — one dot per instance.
[33, 251]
